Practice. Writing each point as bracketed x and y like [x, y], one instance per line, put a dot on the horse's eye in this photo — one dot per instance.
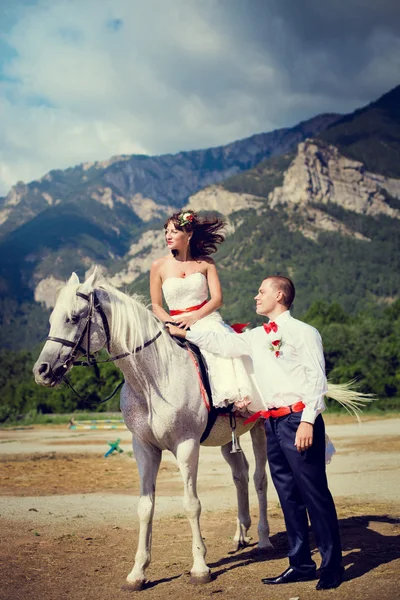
[73, 319]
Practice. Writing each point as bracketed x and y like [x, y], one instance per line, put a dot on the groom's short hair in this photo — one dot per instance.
[286, 286]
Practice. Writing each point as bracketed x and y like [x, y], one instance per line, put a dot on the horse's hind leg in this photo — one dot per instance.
[240, 473]
[148, 461]
[187, 455]
[258, 439]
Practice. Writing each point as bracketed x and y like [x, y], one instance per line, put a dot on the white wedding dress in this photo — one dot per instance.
[231, 379]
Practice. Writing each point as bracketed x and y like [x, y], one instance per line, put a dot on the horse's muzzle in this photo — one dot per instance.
[44, 374]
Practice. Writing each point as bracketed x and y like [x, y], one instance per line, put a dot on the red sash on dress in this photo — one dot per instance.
[185, 310]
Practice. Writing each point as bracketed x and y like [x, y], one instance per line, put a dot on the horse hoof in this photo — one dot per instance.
[236, 547]
[240, 544]
[200, 579]
[133, 586]
[265, 548]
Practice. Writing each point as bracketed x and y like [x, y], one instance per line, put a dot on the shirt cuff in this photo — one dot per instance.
[191, 336]
[309, 415]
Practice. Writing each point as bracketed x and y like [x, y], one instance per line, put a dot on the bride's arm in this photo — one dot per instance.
[156, 292]
[213, 304]
[223, 343]
[214, 287]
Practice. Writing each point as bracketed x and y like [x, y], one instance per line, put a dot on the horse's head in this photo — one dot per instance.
[77, 326]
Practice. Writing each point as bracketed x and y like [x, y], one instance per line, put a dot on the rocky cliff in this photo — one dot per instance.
[321, 175]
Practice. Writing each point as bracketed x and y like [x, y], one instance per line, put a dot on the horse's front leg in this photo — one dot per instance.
[148, 461]
[187, 455]
[240, 473]
[258, 439]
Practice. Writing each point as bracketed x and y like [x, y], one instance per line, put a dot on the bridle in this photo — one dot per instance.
[84, 328]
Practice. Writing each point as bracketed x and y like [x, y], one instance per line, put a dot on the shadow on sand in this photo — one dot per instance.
[364, 548]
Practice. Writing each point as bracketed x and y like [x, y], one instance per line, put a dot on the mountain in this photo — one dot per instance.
[309, 202]
[145, 185]
[371, 135]
[94, 212]
[316, 214]
[313, 214]
[328, 223]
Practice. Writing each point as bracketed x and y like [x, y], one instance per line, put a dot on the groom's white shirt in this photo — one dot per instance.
[297, 374]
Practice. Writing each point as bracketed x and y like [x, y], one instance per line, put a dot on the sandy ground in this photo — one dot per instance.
[69, 526]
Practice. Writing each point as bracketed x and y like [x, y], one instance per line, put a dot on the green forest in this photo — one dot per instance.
[364, 346]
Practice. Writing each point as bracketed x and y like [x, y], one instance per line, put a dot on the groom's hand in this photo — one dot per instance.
[304, 436]
[174, 330]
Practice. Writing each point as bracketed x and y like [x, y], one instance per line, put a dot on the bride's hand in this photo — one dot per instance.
[186, 320]
[173, 330]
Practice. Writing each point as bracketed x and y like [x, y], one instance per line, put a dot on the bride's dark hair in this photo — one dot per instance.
[205, 231]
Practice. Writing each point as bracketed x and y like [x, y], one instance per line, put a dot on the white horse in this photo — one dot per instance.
[162, 404]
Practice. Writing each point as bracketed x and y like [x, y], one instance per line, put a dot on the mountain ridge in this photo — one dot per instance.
[167, 179]
[305, 209]
[112, 207]
[371, 134]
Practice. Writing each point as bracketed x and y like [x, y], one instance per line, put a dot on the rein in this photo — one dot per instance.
[94, 305]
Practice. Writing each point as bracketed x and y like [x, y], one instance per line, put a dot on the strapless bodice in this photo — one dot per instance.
[181, 293]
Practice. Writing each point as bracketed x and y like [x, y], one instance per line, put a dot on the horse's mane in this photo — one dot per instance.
[132, 323]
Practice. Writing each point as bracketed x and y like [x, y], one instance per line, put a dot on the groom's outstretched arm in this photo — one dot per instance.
[225, 344]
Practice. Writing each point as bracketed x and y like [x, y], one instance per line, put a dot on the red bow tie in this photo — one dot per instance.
[271, 326]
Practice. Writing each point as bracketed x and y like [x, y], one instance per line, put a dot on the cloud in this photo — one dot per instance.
[84, 80]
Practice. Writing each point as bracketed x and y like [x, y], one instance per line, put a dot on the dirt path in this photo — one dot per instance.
[68, 519]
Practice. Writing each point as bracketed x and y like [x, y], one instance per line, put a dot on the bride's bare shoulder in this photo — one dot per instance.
[159, 263]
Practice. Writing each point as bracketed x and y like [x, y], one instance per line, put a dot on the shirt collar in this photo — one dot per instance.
[283, 318]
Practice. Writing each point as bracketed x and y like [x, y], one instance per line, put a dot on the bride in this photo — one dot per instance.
[189, 280]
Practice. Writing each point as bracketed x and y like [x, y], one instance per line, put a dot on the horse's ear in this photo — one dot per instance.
[73, 279]
[91, 281]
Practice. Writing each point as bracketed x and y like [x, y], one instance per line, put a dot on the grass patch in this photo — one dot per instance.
[60, 419]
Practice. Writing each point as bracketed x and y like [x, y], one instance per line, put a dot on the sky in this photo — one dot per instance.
[84, 80]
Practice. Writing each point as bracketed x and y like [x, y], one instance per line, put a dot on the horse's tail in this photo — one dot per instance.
[348, 397]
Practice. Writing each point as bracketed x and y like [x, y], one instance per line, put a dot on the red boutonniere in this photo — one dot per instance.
[276, 347]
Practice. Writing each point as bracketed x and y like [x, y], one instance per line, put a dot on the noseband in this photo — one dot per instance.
[85, 328]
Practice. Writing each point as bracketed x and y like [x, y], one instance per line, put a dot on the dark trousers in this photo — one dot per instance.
[300, 480]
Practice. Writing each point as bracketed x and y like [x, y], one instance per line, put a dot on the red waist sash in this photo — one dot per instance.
[276, 412]
[185, 310]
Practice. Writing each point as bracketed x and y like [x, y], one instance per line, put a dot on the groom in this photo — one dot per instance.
[289, 368]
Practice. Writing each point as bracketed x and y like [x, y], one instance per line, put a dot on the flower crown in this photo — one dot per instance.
[185, 218]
